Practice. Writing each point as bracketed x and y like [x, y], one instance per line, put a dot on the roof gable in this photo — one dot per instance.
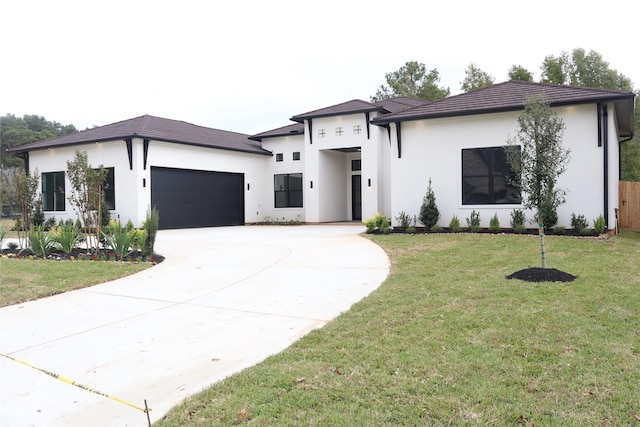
[155, 128]
[350, 107]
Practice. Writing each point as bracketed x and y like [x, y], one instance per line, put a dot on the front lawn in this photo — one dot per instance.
[447, 340]
[24, 279]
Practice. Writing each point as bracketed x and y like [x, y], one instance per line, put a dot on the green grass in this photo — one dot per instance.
[447, 340]
[25, 280]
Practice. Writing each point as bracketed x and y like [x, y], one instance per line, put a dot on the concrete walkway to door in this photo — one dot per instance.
[224, 299]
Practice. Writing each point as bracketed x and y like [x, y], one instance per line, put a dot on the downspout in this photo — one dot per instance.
[605, 146]
[399, 138]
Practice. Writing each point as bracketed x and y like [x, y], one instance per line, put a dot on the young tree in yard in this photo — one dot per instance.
[429, 213]
[537, 158]
[86, 194]
[24, 194]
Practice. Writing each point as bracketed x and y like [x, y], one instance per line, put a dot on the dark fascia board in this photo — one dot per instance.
[275, 135]
[124, 137]
[302, 117]
[382, 121]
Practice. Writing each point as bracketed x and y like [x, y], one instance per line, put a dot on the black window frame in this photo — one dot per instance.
[279, 157]
[288, 191]
[296, 155]
[486, 168]
[356, 165]
[52, 186]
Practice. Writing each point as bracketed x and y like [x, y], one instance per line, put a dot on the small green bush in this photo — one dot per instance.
[520, 229]
[558, 229]
[473, 221]
[599, 225]
[436, 229]
[410, 230]
[494, 224]
[378, 224]
[404, 220]
[578, 222]
[40, 241]
[517, 218]
[150, 231]
[454, 225]
[587, 231]
[429, 213]
[66, 237]
[120, 240]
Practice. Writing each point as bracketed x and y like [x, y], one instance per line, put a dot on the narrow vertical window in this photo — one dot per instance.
[296, 155]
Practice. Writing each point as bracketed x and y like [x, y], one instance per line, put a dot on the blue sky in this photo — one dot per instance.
[248, 66]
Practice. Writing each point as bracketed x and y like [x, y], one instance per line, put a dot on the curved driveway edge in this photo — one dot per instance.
[224, 299]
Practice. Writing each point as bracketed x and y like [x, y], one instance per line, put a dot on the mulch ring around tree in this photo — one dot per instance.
[537, 274]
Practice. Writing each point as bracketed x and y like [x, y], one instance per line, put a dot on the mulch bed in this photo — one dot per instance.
[82, 255]
[537, 274]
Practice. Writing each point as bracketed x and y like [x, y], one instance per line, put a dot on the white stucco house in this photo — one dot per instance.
[345, 162]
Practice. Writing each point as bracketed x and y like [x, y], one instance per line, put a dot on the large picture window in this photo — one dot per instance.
[484, 177]
[288, 190]
[53, 191]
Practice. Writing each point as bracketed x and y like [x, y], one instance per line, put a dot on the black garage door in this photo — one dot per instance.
[192, 198]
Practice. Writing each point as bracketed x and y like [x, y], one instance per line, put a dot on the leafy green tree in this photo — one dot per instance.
[86, 194]
[553, 70]
[16, 131]
[539, 160]
[475, 78]
[518, 72]
[580, 68]
[429, 213]
[412, 80]
[23, 194]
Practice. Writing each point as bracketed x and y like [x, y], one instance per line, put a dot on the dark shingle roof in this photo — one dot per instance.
[294, 129]
[391, 105]
[158, 129]
[350, 107]
[513, 95]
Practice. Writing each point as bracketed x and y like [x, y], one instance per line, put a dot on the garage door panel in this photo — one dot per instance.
[191, 198]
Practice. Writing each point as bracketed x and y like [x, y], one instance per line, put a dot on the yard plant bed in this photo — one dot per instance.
[81, 255]
[537, 274]
[448, 340]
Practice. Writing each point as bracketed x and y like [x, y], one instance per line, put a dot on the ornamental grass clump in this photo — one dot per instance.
[40, 241]
[66, 237]
[150, 227]
[120, 240]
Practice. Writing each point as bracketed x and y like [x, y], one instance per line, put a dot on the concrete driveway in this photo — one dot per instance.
[224, 299]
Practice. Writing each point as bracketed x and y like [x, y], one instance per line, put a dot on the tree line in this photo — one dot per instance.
[575, 68]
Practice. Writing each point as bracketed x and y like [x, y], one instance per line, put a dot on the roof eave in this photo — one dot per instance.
[302, 117]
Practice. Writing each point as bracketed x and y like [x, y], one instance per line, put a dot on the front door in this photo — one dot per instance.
[356, 197]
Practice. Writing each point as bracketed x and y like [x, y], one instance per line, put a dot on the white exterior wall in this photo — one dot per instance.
[433, 148]
[133, 186]
[108, 154]
[330, 171]
[286, 145]
[253, 166]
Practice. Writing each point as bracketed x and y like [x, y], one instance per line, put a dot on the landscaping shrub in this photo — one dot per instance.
[404, 220]
[473, 222]
[599, 225]
[578, 222]
[436, 229]
[151, 230]
[549, 215]
[40, 241]
[454, 225]
[494, 224]
[558, 229]
[429, 213]
[378, 224]
[66, 237]
[518, 218]
[119, 240]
